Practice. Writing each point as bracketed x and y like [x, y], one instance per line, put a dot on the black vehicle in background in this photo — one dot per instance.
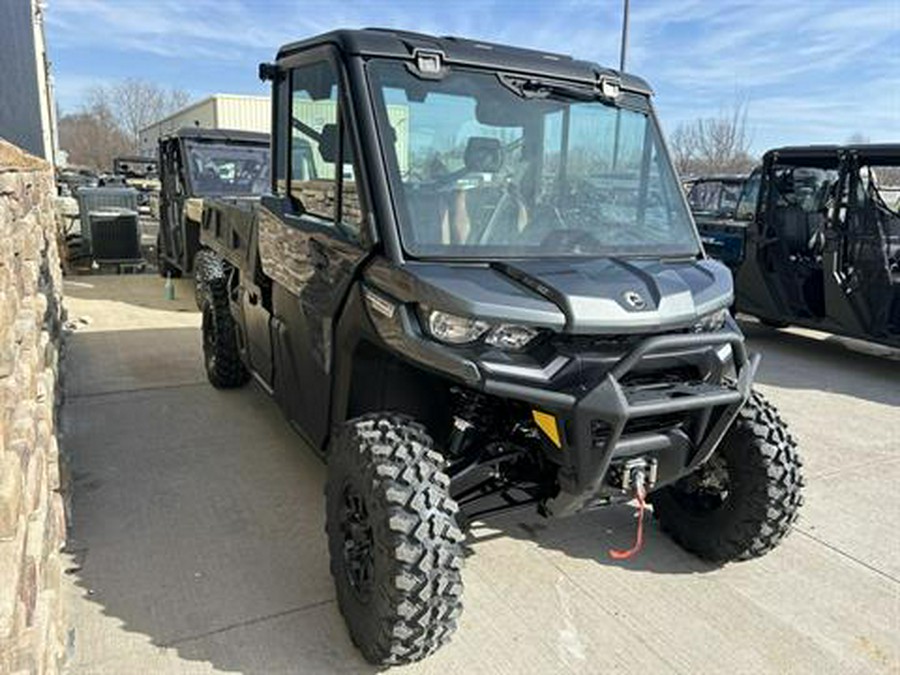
[475, 287]
[136, 167]
[714, 195]
[713, 202]
[197, 164]
[138, 172]
[816, 240]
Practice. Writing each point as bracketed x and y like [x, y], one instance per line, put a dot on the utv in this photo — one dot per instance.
[136, 167]
[489, 295]
[196, 164]
[712, 200]
[816, 240]
[140, 173]
[714, 195]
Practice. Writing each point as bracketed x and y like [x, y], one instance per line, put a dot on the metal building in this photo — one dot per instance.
[219, 111]
[27, 111]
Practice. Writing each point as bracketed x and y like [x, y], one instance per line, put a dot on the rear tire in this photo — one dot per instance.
[744, 500]
[224, 367]
[395, 547]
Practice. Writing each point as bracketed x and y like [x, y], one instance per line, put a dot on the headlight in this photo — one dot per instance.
[510, 336]
[455, 330]
[711, 322]
[461, 330]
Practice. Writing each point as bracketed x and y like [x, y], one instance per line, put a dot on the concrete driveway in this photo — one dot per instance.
[198, 541]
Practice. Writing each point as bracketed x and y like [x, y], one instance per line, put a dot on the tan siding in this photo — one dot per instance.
[222, 111]
[247, 113]
[200, 114]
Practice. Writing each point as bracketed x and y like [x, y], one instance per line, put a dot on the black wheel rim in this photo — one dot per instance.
[358, 548]
[209, 339]
[706, 490]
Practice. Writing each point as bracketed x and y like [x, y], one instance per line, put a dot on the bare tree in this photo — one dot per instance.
[857, 138]
[135, 104]
[713, 144]
[92, 139]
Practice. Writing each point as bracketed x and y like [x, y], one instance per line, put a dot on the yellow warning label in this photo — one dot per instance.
[547, 424]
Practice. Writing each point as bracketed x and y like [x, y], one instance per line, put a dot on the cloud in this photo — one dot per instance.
[793, 62]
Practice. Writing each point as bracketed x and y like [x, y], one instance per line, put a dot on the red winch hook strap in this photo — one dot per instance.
[639, 539]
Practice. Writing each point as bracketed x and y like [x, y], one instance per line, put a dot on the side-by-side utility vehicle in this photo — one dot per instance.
[815, 240]
[197, 164]
[482, 290]
[714, 198]
[140, 173]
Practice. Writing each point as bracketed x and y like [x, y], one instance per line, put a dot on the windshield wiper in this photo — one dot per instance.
[530, 88]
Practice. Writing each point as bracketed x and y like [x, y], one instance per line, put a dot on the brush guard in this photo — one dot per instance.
[597, 435]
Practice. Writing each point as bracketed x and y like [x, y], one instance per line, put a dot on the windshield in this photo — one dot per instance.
[714, 196]
[483, 168]
[224, 169]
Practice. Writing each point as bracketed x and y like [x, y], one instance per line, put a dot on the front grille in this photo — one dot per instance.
[660, 424]
[657, 423]
[664, 377]
[604, 343]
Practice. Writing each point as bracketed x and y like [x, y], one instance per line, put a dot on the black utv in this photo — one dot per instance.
[488, 295]
[816, 240]
[140, 173]
[197, 164]
[713, 200]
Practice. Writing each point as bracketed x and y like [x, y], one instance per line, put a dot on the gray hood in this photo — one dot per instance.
[612, 295]
[603, 295]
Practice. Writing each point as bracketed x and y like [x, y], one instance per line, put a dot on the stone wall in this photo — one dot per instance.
[32, 514]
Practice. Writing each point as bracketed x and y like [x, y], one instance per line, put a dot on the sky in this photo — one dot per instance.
[809, 71]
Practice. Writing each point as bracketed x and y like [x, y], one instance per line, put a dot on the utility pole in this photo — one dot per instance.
[624, 37]
[615, 162]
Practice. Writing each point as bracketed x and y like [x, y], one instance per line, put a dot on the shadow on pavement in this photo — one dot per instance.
[590, 535]
[106, 362]
[795, 361]
[197, 516]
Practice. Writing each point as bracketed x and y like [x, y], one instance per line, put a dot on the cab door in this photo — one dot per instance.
[311, 238]
[867, 262]
[171, 200]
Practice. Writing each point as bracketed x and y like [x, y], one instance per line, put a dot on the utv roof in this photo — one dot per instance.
[227, 135]
[398, 44]
[831, 153]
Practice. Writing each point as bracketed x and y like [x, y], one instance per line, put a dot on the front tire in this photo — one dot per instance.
[395, 547]
[743, 501]
[207, 265]
[221, 357]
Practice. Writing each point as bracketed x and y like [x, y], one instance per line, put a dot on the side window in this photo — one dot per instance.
[351, 210]
[746, 207]
[314, 139]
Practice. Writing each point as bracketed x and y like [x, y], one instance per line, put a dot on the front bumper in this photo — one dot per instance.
[614, 420]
